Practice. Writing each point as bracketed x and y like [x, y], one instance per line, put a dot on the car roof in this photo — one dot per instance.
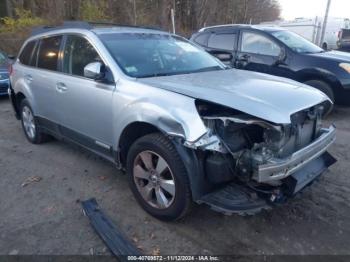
[242, 26]
[97, 28]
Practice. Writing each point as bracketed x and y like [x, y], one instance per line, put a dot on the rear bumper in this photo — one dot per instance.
[278, 169]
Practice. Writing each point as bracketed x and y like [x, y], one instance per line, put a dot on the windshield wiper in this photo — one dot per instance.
[207, 69]
[309, 52]
[155, 75]
[204, 69]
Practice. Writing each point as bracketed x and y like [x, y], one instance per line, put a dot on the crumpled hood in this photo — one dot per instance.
[334, 55]
[270, 98]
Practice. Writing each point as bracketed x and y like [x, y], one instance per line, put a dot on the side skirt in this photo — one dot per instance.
[68, 135]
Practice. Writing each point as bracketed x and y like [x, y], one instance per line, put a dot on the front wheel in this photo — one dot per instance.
[158, 178]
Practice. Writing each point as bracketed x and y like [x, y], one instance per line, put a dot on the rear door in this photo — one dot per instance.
[84, 105]
[223, 45]
[43, 78]
[257, 52]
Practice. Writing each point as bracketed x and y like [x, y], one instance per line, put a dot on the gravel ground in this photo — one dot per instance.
[45, 217]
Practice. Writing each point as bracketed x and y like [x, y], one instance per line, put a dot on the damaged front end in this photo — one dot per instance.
[262, 159]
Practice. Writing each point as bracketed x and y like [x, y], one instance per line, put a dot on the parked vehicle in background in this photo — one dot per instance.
[277, 51]
[4, 74]
[344, 40]
[311, 29]
[183, 125]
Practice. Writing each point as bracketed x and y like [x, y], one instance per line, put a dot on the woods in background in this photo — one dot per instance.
[190, 15]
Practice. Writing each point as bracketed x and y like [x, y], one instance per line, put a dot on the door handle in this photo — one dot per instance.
[28, 78]
[61, 87]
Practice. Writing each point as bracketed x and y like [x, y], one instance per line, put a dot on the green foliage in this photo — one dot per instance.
[94, 11]
[23, 19]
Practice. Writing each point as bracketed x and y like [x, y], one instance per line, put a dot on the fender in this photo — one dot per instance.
[193, 162]
[175, 115]
[318, 74]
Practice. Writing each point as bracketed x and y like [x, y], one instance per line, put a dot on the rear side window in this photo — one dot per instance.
[26, 53]
[222, 41]
[202, 39]
[48, 52]
[77, 54]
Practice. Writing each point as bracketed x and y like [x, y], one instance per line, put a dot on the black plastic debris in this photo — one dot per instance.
[115, 240]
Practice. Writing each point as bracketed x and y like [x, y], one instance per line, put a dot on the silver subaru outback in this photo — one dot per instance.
[183, 126]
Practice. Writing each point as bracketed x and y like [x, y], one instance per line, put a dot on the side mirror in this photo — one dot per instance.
[11, 57]
[94, 71]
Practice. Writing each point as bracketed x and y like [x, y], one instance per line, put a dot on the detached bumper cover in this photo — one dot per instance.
[242, 200]
[116, 241]
[279, 169]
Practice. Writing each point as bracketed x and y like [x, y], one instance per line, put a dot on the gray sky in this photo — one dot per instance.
[311, 8]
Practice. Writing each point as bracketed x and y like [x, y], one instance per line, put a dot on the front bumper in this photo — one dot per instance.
[278, 169]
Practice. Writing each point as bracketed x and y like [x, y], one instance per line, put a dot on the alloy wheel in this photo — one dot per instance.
[154, 179]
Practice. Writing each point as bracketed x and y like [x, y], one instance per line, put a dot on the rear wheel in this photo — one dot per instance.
[29, 124]
[322, 86]
[325, 46]
[158, 178]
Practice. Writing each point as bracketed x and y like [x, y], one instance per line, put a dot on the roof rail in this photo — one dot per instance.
[66, 24]
[83, 25]
[222, 26]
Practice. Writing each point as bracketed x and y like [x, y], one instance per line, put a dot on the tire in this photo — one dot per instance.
[322, 86]
[147, 156]
[29, 124]
[325, 46]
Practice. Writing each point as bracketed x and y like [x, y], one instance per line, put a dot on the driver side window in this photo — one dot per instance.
[77, 54]
[258, 44]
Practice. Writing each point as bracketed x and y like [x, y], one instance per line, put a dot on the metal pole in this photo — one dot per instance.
[325, 21]
[135, 14]
[173, 20]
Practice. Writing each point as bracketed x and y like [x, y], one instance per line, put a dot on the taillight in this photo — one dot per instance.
[10, 69]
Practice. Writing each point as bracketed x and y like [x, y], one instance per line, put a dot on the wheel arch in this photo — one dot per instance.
[192, 161]
[321, 75]
[19, 97]
[130, 134]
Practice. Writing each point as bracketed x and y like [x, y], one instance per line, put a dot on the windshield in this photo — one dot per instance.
[296, 42]
[2, 58]
[149, 55]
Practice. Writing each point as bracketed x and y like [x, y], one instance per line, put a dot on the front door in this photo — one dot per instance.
[85, 105]
[258, 53]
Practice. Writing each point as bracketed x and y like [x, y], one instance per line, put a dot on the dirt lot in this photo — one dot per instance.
[45, 217]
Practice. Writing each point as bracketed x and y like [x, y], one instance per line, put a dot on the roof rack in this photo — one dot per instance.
[84, 25]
